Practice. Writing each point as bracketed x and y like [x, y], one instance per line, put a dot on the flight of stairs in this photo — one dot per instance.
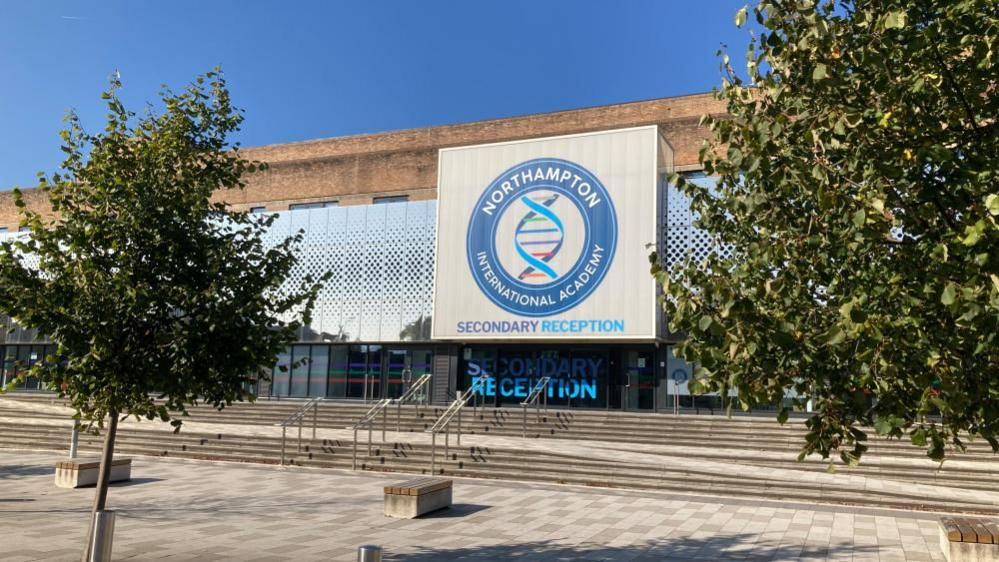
[733, 452]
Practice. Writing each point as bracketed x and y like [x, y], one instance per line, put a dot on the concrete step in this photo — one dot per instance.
[522, 465]
[734, 436]
[189, 439]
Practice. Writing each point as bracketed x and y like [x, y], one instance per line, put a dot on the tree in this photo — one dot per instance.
[156, 296]
[416, 330]
[858, 191]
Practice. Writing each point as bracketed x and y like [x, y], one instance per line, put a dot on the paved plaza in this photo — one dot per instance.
[197, 510]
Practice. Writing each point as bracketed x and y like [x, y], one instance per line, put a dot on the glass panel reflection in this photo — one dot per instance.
[319, 370]
[337, 380]
[280, 377]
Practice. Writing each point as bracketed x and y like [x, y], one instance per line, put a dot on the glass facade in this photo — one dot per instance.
[347, 371]
[19, 358]
[370, 329]
[582, 376]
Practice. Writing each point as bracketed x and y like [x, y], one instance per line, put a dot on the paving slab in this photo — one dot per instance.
[202, 510]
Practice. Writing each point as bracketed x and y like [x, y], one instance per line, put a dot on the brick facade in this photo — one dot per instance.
[355, 169]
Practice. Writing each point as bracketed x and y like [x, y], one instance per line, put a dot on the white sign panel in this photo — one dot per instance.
[547, 238]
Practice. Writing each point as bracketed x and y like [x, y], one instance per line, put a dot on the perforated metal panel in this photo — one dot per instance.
[29, 260]
[381, 260]
[682, 239]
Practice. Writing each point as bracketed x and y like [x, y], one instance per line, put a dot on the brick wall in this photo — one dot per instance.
[354, 169]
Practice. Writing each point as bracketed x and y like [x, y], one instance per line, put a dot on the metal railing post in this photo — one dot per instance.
[299, 435]
[447, 439]
[524, 408]
[365, 388]
[461, 396]
[433, 453]
[284, 432]
[370, 427]
[369, 553]
[398, 416]
[353, 465]
[676, 398]
[384, 421]
[315, 418]
[74, 442]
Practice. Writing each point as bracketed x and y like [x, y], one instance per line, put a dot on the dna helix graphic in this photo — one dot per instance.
[539, 237]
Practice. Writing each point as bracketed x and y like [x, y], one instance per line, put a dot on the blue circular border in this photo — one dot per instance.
[476, 226]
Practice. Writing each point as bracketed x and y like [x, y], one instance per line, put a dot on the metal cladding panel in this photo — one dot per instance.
[682, 240]
[380, 260]
[548, 239]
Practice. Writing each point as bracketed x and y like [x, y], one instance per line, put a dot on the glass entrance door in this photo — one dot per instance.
[639, 381]
[403, 367]
[364, 371]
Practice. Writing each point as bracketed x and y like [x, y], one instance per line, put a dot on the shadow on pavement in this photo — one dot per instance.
[132, 482]
[456, 510]
[743, 546]
[20, 471]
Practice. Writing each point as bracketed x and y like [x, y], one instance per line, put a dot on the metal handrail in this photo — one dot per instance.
[443, 423]
[540, 389]
[368, 419]
[409, 395]
[299, 416]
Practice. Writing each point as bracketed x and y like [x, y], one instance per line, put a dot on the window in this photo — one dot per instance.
[258, 210]
[3, 230]
[300, 370]
[24, 229]
[282, 373]
[312, 205]
[391, 199]
[319, 370]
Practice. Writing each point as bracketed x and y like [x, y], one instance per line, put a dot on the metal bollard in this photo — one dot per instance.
[74, 443]
[369, 553]
[103, 537]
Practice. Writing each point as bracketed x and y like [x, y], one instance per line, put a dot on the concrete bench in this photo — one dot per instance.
[967, 539]
[413, 498]
[75, 473]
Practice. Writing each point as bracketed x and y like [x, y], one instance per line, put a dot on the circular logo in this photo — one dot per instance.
[679, 376]
[541, 237]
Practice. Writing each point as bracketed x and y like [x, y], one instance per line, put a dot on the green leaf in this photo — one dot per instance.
[705, 323]
[834, 336]
[883, 425]
[859, 218]
[895, 20]
[839, 128]
[992, 204]
[740, 16]
[849, 458]
[973, 233]
[819, 73]
[949, 294]
[783, 415]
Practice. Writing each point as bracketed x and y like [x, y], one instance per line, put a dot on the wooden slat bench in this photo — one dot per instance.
[75, 473]
[969, 539]
[413, 498]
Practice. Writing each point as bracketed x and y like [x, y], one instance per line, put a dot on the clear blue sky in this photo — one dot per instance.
[305, 70]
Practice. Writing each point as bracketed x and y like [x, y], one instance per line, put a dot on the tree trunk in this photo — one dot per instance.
[101, 495]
